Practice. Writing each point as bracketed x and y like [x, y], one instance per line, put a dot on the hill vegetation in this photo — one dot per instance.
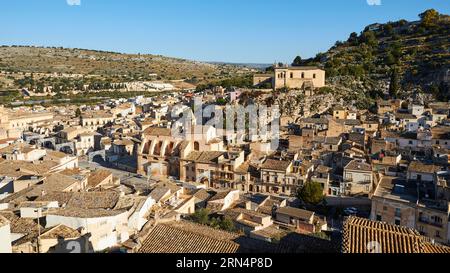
[36, 67]
[396, 59]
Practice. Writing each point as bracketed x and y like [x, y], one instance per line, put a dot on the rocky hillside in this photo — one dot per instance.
[396, 59]
[111, 65]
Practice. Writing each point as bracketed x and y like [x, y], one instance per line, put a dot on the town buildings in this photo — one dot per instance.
[125, 174]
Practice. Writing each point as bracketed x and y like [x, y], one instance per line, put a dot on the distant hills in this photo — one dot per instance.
[112, 65]
[249, 65]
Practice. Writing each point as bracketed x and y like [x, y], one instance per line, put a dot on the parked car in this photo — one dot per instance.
[351, 211]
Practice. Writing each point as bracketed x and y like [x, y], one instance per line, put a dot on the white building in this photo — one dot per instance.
[5, 236]
[137, 213]
[108, 228]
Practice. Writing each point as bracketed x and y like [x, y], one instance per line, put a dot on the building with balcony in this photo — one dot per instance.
[358, 178]
[398, 202]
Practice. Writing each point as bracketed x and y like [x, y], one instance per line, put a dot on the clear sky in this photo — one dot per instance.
[257, 31]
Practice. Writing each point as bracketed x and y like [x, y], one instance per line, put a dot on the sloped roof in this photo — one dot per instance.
[60, 231]
[170, 238]
[204, 157]
[295, 212]
[97, 177]
[361, 235]
[419, 167]
[157, 131]
[278, 165]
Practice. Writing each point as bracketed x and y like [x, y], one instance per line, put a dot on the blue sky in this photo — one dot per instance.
[258, 31]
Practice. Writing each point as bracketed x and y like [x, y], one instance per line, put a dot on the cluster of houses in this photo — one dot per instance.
[395, 158]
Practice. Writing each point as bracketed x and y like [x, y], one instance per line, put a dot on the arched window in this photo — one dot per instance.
[196, 146]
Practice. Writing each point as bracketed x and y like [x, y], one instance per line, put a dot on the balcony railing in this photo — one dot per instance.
[428, 222]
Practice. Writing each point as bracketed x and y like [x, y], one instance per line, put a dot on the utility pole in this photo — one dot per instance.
[39, 213]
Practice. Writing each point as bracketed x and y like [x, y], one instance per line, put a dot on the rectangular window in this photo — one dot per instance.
[398, 213]
[292, 75]
[314, 76]
[379, 218]
[397, 222]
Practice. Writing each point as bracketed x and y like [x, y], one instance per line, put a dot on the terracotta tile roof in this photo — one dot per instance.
[157, 131]
[58, 182]
[61, 197]
[278, 165]
[220, 195]
[25, 226]
[441, 132]
[432, 248]
[419, 167]
[359, 233]
[202, 194]
[20, 168]
[204, 157]
[56, 154]
[53, 183]
[97, 177]
[243, 168]
[94, 200]
[84, 213]
[176, 238]
[357, 165]
[61, 231]
[295, 212]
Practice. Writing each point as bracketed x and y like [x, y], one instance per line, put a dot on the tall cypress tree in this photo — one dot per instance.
[395, 83]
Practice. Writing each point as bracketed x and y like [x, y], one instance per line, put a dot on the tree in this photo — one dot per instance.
[390, 59]
[201, 216]
[297, 61]
[338, 44]
[388, 29]
[227, 224]
[395, 83]
[353, 39]
[78, 113]
[311, 193]
[429, 18]
[369, 38]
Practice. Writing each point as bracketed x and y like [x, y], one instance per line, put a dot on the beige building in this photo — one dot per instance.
[358, 178]
[14, 122]
[96, 119]
[281, 177]
[214, 168]
[301, 77]
[160, 152]
[5, 235]
[395, 202]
